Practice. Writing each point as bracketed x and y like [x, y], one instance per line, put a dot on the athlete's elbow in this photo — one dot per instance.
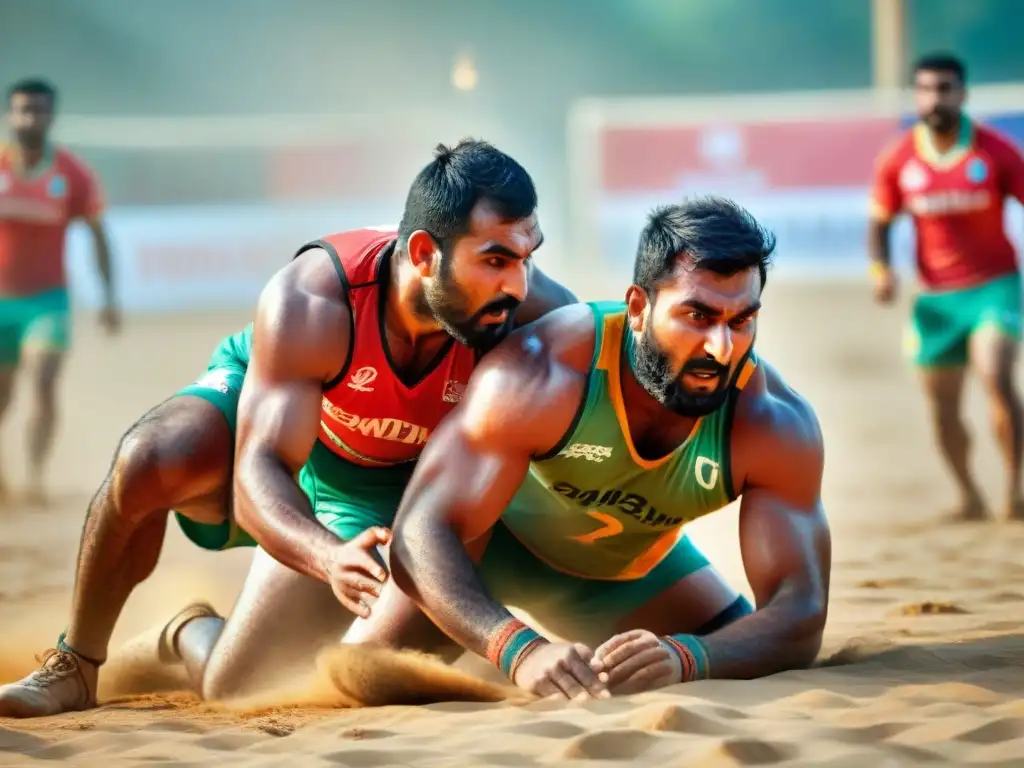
[807, 630]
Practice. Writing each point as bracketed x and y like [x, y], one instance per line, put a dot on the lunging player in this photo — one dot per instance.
[584, 445]
[953, 177]
[359, 348]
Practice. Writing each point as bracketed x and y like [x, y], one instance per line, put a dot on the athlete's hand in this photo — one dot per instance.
[884, 283]
[636, 661]
[561, 670]
[354, 574]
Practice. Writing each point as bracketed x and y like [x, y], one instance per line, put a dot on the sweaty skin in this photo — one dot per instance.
[301, 337]
[521, 401]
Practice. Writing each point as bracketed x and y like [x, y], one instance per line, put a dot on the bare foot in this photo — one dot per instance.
[1015, 511]
[971, 511]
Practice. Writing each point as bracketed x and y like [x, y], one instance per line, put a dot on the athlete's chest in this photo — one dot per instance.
[970, 185]
[375, 403]
[40, 199]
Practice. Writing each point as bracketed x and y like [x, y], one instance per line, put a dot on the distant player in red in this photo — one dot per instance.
[953, 177]
[43, 189]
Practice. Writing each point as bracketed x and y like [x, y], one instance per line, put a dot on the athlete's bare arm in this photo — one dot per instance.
[301, 337]
[784, 536]
[544, 295]
[519, 403]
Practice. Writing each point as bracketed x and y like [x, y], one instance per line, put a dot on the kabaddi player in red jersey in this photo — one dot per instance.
[361, 345]
[43, 188]
[953, 176]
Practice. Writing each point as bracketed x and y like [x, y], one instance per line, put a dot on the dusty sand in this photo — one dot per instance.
[923, 660]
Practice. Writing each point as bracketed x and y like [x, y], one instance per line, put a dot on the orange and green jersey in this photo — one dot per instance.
[956, 199]
[36, 207]
[593, 507]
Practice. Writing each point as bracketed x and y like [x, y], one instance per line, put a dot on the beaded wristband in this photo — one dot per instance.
[877, 269]
[511, 644]
[692, 654]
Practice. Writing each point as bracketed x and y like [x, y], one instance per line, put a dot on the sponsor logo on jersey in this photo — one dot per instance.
[913, 176]
[632, 504]
[57, 186]
[976, 170]
[394, 430]
[942, 203]
[361, 378]
[595, 453]
[453, 392]
[218, 379]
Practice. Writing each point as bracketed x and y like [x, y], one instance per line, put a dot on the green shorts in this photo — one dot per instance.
[942, 323]
[41, 321]
[571, 606]
[346, 498]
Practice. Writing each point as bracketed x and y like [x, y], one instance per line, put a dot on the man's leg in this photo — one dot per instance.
[177, 456]
[43, 367]
[8, 373]
[993, 357]
[938, 334]
[943, 388]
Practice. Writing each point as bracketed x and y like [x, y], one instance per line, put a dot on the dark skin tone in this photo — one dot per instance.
[939, 97]
[521, 401]
[301, 337]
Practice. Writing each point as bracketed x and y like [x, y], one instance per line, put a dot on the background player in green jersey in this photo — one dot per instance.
[584, 444]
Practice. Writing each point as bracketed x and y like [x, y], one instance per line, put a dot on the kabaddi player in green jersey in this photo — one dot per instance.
[583, 446]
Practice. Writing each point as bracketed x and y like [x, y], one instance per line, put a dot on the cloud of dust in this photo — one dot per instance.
[351, 676]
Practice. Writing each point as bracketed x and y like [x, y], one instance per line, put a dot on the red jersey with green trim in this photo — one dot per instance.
[956, 199]
[35, 210]
[370, 415]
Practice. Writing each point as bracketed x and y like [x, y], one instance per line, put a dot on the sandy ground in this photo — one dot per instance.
[923, 660]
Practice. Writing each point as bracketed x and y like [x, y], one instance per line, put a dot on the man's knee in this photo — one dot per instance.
[158, 456]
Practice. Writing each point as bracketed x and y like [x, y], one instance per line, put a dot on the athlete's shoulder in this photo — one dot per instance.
[775, 427]
[897, 151]
[564, 337]
[994, 142]
[66, 161]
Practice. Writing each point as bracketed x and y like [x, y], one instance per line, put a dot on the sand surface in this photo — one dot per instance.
[923, 659]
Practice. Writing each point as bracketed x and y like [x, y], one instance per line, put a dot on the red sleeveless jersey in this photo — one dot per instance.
[369, 414]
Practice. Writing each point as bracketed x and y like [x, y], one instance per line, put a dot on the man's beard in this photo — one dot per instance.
[651, 369]
[446, 303]
[943, 120]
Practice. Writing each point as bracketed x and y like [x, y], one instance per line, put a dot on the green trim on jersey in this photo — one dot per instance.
[595, 508]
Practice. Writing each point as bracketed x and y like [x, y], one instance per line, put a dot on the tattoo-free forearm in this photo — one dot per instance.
[270, 505]
[785, 634]
[430, 564]
[879, 249]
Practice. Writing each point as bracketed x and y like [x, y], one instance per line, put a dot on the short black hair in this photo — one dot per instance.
[444, 193]
[709, 232]
[33, 86]
[941, 62]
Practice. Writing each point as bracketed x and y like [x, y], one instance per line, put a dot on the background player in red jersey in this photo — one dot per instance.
[43, 188]
[953, 177]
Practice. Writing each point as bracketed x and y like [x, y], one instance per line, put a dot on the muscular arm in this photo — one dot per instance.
[786, 547]
[300, 338]
[544, 295]
[519, 403]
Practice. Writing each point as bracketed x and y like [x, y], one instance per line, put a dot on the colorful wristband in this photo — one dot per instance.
[512, 643]
[876, 269]
[692, 654]
[63, 646]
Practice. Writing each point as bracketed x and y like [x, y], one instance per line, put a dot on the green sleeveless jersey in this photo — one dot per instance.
[593, 507]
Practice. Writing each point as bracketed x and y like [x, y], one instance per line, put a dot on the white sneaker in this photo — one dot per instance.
[59, 685]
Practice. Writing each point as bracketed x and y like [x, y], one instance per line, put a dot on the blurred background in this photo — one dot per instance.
[228, 132]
